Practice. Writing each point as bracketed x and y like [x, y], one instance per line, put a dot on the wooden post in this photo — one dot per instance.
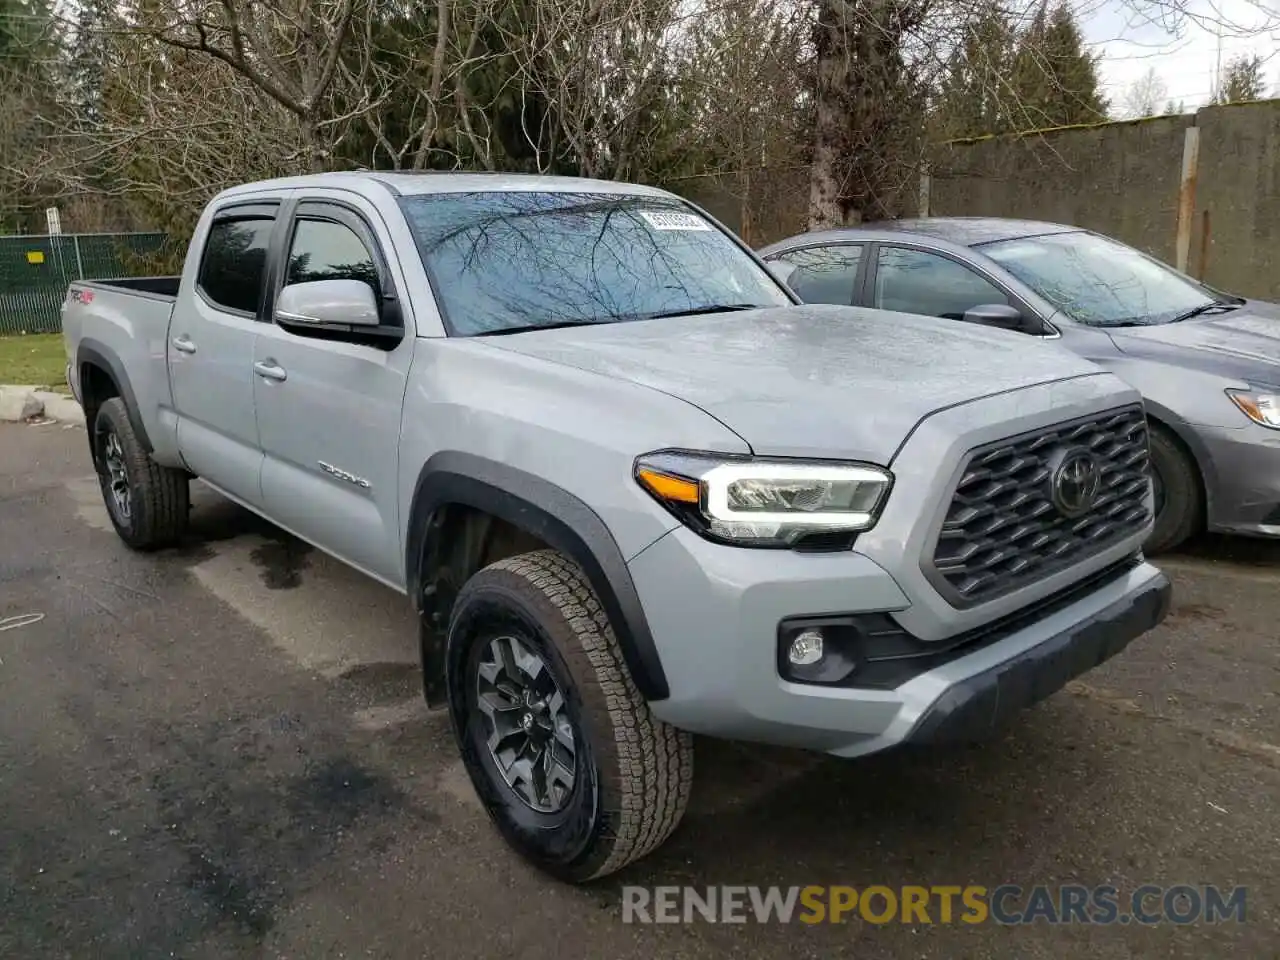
[1187, 197]
[925, 185]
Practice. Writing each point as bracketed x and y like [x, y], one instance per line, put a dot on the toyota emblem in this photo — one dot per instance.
[1076, 483]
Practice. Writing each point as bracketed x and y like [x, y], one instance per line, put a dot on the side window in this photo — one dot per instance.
[325, 250]
[912, 281]
[824, 274]
[235, 257]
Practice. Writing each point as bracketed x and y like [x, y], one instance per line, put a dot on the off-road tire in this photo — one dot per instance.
[159, 497]
[634, 772]
[1182, 513]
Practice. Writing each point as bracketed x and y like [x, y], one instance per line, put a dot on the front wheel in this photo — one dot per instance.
[147, 503]
[1175, 483]
[576, 773]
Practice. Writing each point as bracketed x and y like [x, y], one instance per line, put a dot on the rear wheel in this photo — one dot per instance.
[147, 503]
[576, 773]
[1178, 499]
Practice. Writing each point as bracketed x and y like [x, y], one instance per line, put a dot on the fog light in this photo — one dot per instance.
[806, 648]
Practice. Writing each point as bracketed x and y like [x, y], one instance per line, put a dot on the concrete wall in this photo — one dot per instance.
[1239, 188]
[1121, 179]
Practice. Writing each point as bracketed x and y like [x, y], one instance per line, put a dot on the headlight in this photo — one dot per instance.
[1263, 408]
[767, 503]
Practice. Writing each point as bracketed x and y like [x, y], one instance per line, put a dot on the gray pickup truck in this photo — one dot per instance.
[634, 490]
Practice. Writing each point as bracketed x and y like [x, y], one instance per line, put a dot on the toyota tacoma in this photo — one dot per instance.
[634, 490]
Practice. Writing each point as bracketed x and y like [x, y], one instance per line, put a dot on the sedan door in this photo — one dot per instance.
[329, 403]
[210, 350]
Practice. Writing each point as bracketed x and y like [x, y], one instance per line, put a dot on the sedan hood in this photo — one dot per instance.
[1241, 343]
[818, 381]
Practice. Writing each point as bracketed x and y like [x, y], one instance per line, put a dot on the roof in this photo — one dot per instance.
[413, 184]
[970, 231]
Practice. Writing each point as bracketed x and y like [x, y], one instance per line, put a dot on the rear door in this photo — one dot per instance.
[329, 404]
[210, 348]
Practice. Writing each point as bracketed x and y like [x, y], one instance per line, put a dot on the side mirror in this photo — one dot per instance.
[999, 315]
[347, 303]
[781, 271]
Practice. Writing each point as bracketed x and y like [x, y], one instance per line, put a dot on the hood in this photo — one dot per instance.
[1244, 343]
[814, 380]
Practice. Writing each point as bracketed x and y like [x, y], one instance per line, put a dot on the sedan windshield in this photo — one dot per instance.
[1099, 281]
[502, 262]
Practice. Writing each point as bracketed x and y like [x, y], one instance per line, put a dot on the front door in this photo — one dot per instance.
[210, 350]
[329, 405]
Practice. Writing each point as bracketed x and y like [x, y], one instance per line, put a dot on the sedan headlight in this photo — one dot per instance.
[767, 503]
[1263, 408]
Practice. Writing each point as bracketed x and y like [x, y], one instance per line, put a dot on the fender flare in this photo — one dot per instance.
[556, 517]
[94, 352]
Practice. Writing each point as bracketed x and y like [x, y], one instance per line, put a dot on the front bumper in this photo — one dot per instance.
[973, 707]
[714, 613]
[1245, 493]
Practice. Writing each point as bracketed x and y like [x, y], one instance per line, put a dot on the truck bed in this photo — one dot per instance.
[159, 287]
[123, 327]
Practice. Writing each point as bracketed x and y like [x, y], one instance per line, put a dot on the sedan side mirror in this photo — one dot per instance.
[999, 315]
[347, 303]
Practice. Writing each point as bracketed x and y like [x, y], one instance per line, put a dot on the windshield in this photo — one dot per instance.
[507, 261]
[1099, 281]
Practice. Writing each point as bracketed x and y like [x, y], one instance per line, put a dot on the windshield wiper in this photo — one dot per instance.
[705, 308]
[525, 327]
[622, 318]
[1222, 305]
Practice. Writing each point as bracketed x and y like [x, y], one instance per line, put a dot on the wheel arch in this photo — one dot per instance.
[102, 376]
[1185, 436]
[458, 500]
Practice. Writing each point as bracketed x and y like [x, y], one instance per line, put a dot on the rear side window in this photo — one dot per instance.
[824, 274]
[235, 259]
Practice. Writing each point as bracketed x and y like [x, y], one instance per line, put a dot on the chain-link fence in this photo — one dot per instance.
[35, 271]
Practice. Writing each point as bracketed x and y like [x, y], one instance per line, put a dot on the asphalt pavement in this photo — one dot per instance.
[221, 751]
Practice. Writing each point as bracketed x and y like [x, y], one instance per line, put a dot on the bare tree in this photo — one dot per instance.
[1144, 97]
[288, 50]
[603, 70]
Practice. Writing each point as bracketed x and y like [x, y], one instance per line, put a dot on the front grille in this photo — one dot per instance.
[1005, 528]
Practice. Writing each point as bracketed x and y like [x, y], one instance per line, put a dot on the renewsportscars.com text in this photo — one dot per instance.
[878, 904]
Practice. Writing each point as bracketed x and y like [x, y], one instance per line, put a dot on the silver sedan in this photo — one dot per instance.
[1207, 362]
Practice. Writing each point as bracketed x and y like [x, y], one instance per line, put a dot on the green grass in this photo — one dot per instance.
[34, 359]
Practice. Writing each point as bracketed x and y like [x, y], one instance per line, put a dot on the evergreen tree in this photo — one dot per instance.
[1055, 81]
[975, 94]
[24, 31]
[27, 52]
[86, 62]
[1241, 80]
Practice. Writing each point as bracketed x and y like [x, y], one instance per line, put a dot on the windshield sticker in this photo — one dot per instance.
[671, 220]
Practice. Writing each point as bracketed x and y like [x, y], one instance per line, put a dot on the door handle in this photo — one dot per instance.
[184, 344]
[270, 370]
